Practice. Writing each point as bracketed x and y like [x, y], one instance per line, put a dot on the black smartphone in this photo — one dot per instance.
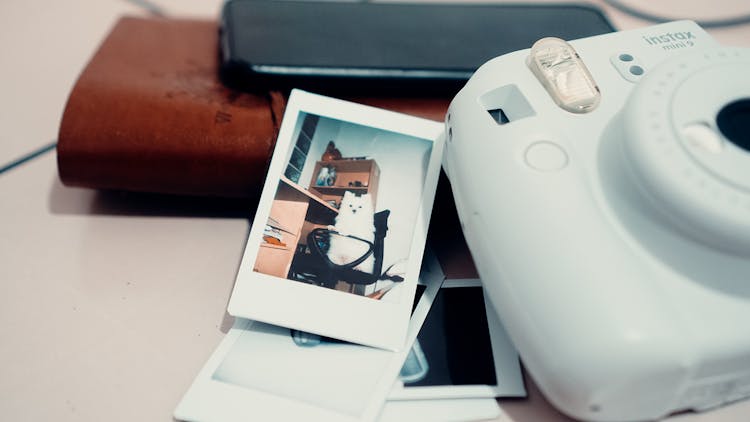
[365, 46]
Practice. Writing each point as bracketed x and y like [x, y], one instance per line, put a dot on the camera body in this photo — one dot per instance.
[607, 207]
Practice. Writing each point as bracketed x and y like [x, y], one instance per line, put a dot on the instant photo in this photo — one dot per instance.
[461, 351]
[262, 372]
[344, 210]
[453, 347]
[338, 237]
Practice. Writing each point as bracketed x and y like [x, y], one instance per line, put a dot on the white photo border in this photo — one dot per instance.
[322, 311]
[470, 409]
[219, 401]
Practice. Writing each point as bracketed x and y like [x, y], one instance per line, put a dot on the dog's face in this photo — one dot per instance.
[356, 206]
[356, 216]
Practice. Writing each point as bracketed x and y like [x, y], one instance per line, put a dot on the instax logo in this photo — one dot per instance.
[671, 40]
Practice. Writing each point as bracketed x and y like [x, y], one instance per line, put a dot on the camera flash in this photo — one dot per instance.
[558, 67]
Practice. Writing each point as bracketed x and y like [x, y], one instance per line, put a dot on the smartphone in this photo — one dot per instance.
[366, 46]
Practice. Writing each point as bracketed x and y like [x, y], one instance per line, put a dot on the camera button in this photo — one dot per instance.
[546, 156]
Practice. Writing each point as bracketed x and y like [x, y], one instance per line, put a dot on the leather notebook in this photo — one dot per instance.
[150, 114]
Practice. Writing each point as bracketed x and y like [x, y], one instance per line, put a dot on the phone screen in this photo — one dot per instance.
[298, 39]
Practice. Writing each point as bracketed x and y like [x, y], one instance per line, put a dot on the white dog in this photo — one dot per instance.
[355, 218]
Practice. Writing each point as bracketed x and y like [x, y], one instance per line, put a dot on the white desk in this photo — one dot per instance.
[109, 304]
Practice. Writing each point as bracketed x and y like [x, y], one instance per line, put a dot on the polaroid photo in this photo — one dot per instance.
[265, 372]
[338, 237]
[462, 351]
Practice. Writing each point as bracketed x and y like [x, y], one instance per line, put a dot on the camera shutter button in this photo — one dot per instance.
[546, 156]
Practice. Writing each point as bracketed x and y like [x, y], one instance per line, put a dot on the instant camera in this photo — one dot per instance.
[603, 186]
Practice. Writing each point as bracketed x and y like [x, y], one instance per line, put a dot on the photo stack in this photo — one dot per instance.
[339, 314]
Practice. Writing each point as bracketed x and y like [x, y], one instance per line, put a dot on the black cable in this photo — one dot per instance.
[28, 157]
[152, 8]
[712, 23]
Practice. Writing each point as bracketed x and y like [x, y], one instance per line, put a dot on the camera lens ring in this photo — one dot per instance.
[709, 203]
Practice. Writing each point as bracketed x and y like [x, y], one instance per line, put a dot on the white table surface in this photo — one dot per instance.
[110, 304]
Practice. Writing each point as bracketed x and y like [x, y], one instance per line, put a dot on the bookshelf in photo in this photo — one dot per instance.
[358, 176]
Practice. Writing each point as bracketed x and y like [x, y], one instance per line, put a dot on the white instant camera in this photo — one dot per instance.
[604, 190]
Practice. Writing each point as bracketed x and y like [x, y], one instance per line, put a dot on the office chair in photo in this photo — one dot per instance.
[312, 265]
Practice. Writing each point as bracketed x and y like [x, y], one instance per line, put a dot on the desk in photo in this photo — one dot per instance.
[289, 214]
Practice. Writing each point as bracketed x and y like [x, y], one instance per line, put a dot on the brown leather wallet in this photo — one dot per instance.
[149, 114]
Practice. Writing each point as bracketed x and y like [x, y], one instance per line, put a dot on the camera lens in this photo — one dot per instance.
[734, 123]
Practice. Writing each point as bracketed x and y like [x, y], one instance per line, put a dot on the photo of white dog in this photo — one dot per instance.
[339, 232]
[354, 223]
